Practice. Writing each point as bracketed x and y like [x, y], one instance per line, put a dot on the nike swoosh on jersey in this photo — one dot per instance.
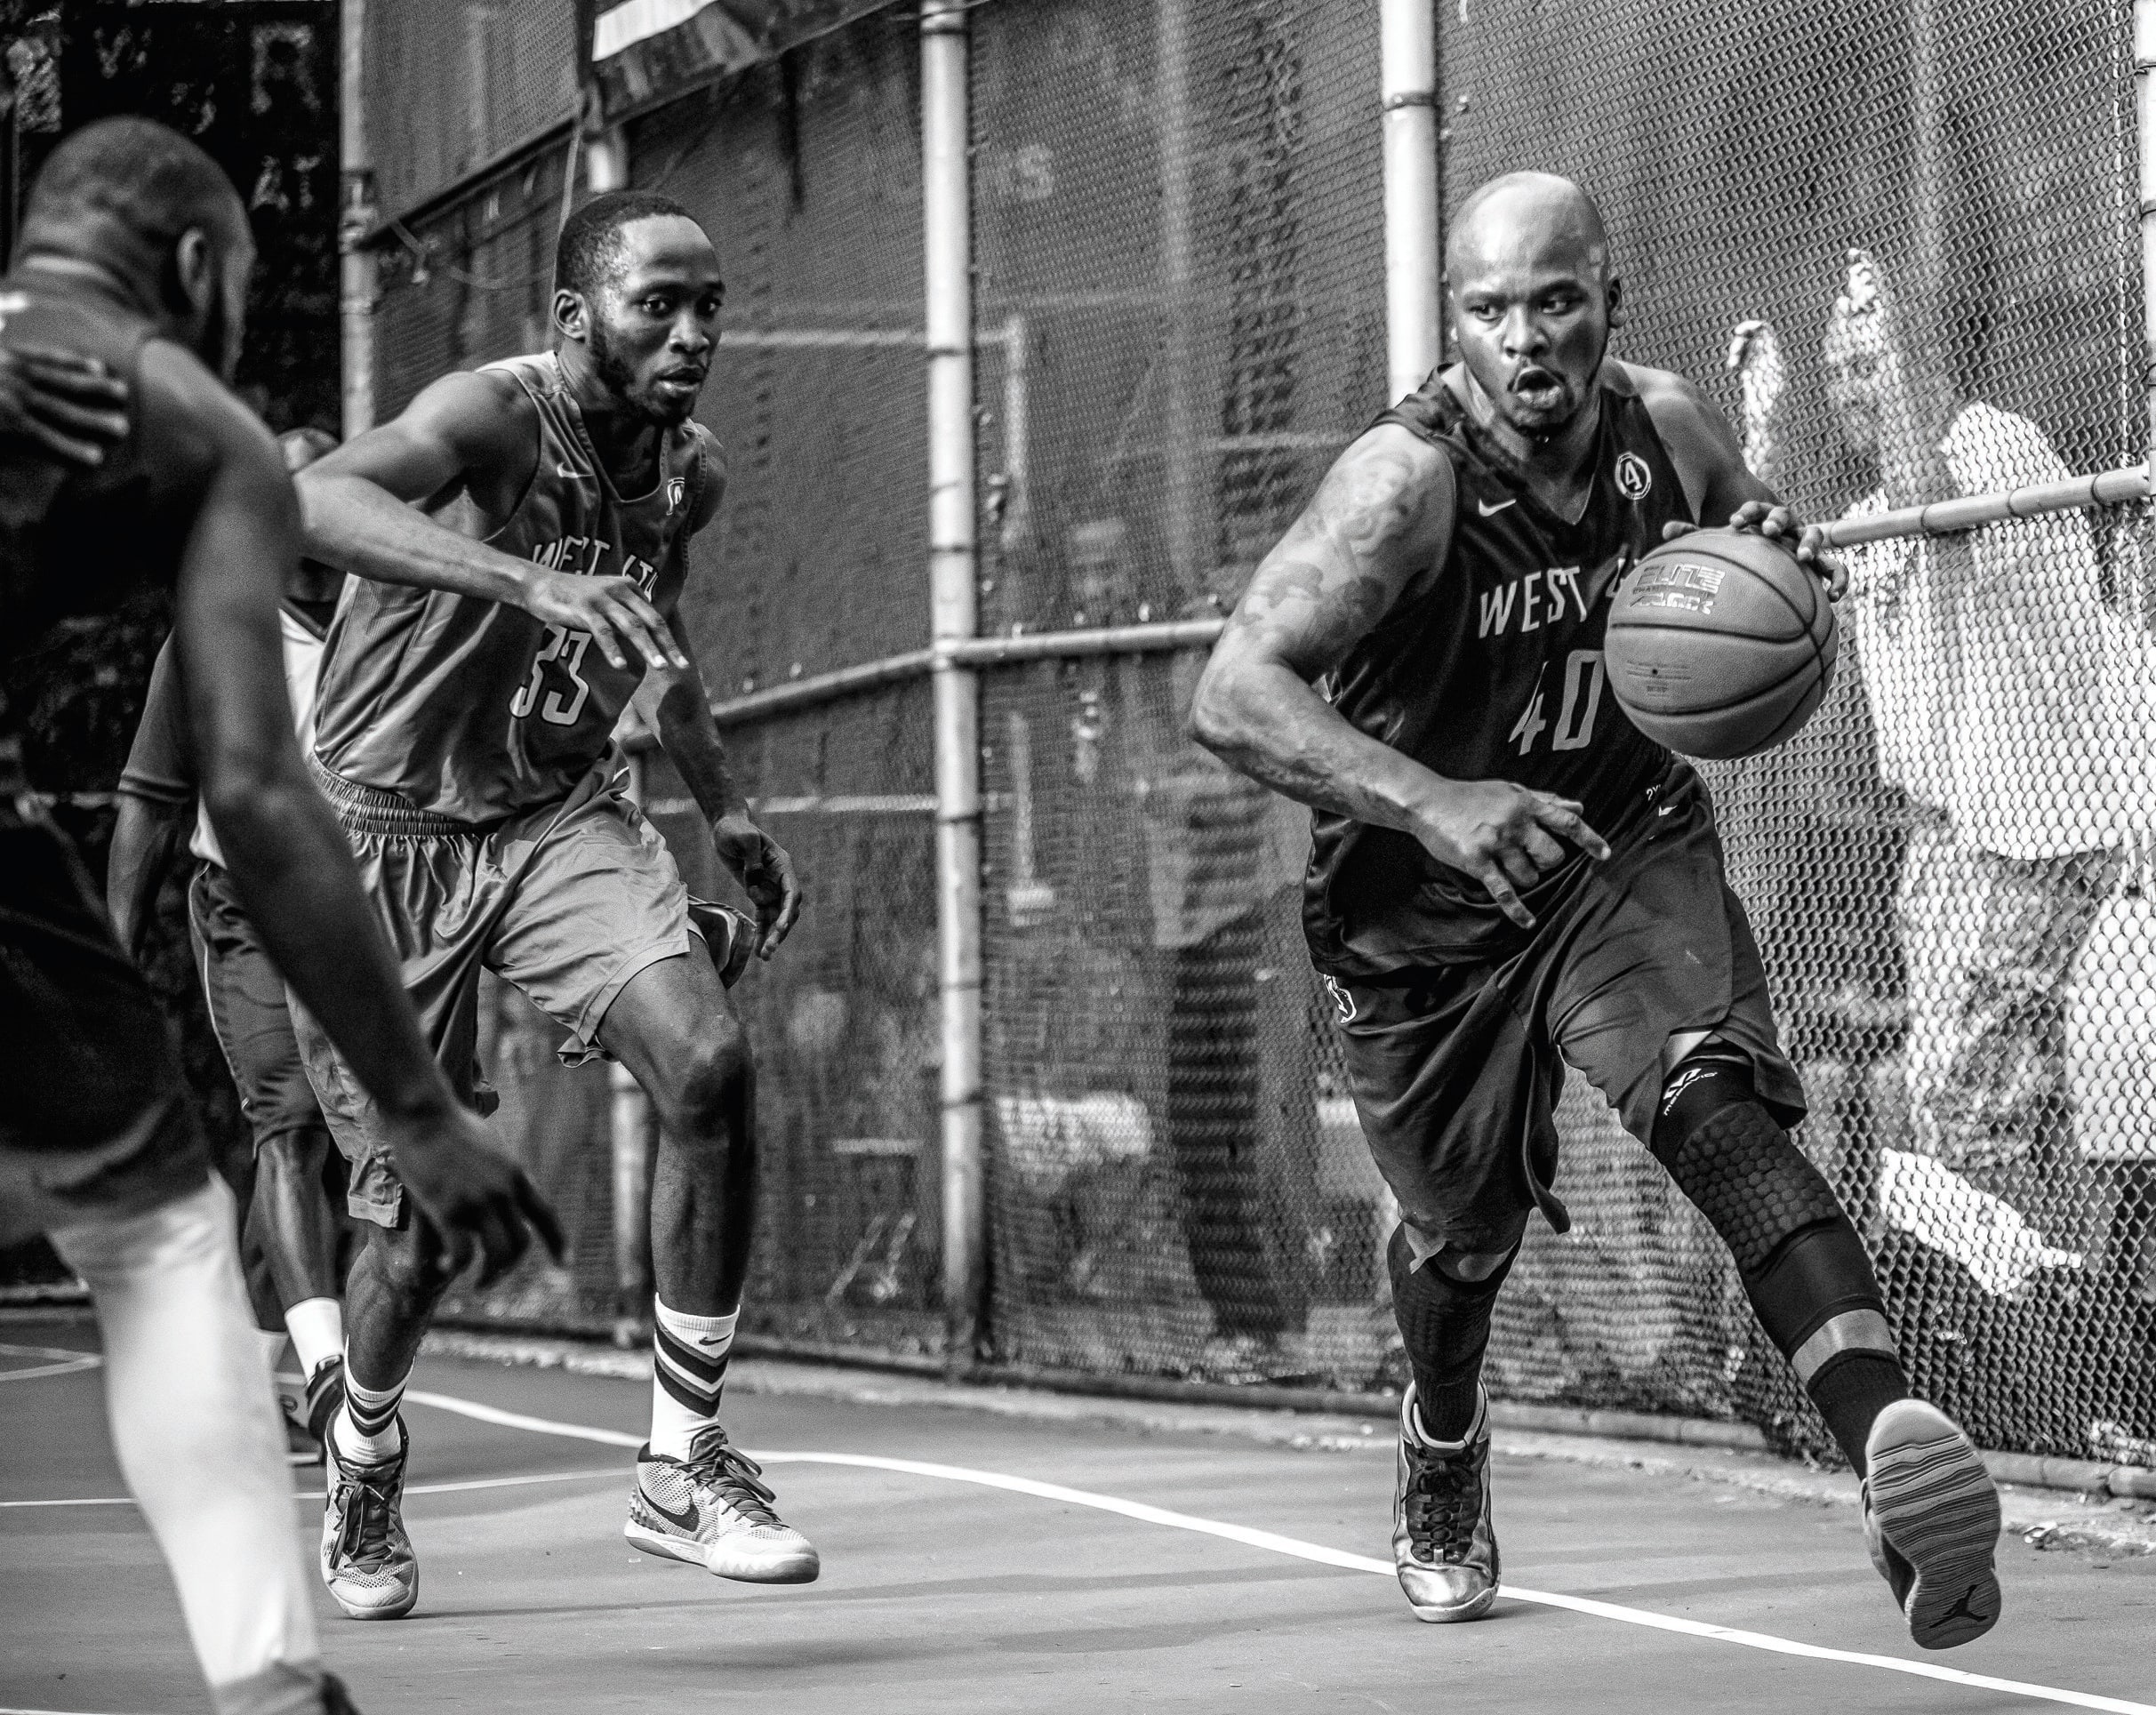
[563, 468]
[680, 1520]
[1489, 511]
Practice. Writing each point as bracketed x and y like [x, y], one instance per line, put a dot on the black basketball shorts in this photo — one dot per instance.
[1455, 1069]
[94, 1120]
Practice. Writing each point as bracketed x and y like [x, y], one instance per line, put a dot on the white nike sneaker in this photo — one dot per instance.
[713, 1510]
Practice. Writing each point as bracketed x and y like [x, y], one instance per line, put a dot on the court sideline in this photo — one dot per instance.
[977, 1560]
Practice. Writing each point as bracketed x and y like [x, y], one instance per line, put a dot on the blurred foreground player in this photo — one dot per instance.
[284, 1169]
[1446, 592]
[135, 253]
[520, 534]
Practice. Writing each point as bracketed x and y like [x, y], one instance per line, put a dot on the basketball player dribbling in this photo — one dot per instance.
[135, 254]
[1509, 878]
[518, 537]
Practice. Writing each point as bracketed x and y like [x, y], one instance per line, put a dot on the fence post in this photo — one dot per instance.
[947, 234]
[2145, 127]
[355, 262]
[1408, 91]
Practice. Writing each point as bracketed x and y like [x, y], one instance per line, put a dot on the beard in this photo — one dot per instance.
[620, 376]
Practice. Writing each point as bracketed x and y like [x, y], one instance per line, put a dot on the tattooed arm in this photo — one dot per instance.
[1383, 513]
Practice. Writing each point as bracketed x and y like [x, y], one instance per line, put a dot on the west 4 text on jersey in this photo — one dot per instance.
[1548, 601]
[562, 648]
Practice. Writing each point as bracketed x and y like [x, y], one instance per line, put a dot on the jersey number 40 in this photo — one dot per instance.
[1575, 729]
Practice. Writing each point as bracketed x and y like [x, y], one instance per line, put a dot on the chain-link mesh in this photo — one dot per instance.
[1179, 320]
[451, 85]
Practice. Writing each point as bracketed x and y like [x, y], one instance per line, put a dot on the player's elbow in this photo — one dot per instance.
[1216, 721]
[253, 796]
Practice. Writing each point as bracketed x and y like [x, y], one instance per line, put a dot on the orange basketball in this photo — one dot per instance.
[1720, 644]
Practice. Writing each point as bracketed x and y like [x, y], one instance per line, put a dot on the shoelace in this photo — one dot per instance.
[715, 1464]
[1444, 1501]
[364, 1540]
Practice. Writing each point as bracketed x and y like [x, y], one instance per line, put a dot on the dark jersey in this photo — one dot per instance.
[473, 709]
[76, 546]
[1489, 666]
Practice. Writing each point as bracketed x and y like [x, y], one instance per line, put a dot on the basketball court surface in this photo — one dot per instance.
[974, 1560]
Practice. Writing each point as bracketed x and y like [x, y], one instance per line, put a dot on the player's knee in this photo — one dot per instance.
[714, 1078]
[411, 1262]
[1800, 1255]
[297, 1154]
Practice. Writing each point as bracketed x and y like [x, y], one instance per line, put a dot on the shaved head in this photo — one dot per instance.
[1531, 212]
[1533, 299]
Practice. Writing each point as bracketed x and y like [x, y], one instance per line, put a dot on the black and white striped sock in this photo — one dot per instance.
[689, 1371]
[365, 1429]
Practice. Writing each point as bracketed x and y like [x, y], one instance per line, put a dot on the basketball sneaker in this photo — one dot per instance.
[728, 935]
[301, 1447]
[1443, 1543]
[713, 1510]
[325, 1394]
[1932, 1522]
[367, 1561]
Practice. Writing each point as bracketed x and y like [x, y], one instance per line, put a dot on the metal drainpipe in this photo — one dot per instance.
[1407, 34]
[2145, 127]
[355, 263]
[953, 574]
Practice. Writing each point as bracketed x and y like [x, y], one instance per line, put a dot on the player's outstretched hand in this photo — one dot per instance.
[612, 610]
[1505, 836]
[73, 407]
[1807, 541]
[760, 863]
[477, 1200]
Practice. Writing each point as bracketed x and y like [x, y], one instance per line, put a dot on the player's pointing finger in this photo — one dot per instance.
[1561, 818]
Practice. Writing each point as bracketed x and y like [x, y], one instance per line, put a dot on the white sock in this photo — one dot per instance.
[273, 1347]
[316, 1326]
[364, 1428]
[688, 1369]
[198, 1437]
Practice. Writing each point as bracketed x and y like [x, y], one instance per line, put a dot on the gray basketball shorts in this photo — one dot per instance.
[1455, 1069]
[567, 902]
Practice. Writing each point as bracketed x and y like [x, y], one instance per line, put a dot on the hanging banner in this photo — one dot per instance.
[644, 53]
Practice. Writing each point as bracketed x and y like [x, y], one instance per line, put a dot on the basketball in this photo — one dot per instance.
[1720, 644]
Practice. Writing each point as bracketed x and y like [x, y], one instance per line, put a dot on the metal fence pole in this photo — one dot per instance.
[1408, 92]
[355, 263]
[947, 230]
[2145, 127]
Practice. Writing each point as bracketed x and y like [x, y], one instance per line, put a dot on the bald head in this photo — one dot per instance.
[1527, 215]
[1532, 299]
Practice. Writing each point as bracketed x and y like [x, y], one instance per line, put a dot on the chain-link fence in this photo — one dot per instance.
[1180, 319]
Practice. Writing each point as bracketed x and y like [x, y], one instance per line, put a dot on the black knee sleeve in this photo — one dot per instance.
[1797, 1251]
[1445, 1322]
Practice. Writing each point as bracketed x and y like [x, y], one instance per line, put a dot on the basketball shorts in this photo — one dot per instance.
[250, 1010]
[567, 902]
[95, 1122]
[1455, 1069]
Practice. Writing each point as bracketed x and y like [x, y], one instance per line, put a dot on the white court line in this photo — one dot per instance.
[316, 1494]
[69, 1363]
[1323, 1556]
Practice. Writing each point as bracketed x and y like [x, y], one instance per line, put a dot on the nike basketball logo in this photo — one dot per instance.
[1667, 809]
[563, 468]
[680, 1520]
[1489, 511]
[1961, 1610]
